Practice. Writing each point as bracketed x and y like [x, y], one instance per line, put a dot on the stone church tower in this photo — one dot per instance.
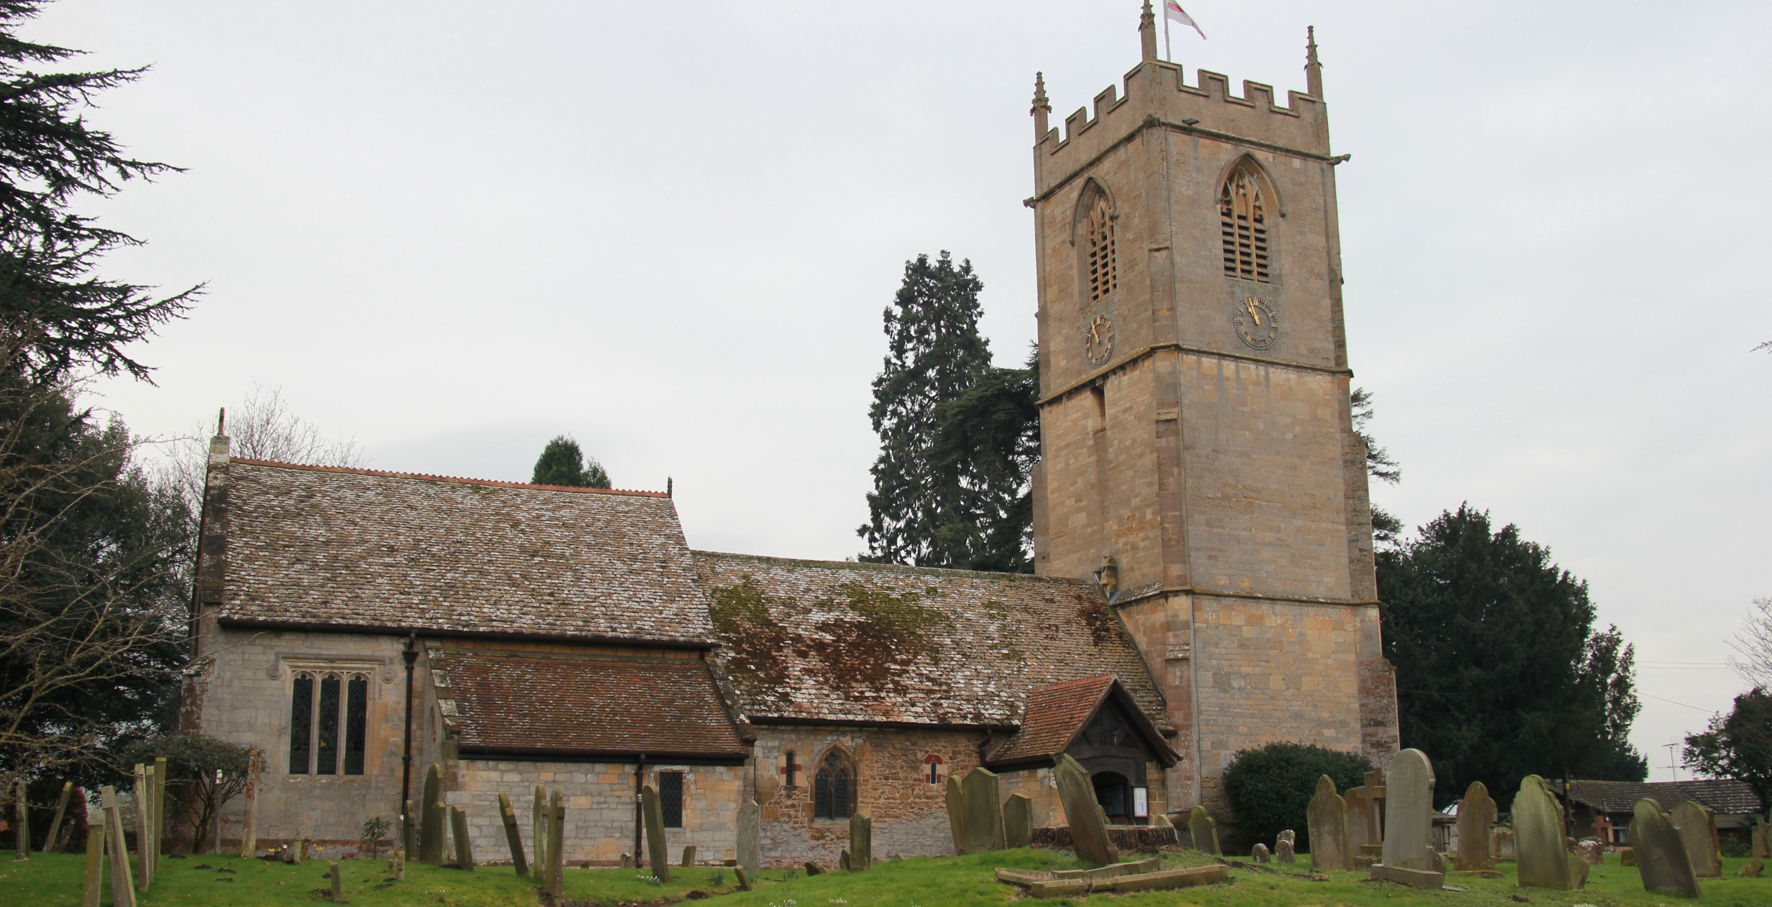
[1198, 456]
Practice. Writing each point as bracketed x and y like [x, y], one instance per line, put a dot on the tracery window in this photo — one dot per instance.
[1242, 213]
[833, 788]
[1100, 266]
[328, 721]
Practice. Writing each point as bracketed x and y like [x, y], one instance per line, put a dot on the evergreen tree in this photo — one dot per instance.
[563, 463]
[1499, 671]
[988, 439]
[1387, 530]
[1738, 745]
[935, 354]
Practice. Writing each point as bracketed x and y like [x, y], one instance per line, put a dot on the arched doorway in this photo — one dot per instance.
[1114, 793]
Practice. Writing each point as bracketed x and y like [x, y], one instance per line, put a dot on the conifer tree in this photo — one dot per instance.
[563, 463]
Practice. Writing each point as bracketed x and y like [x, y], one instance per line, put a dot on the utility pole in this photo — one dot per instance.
[1672, 766]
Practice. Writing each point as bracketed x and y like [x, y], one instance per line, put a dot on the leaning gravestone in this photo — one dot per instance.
[430, 829]
[1203, 830]
[861, 842]
[1259, 853]
[750, 836]
[1762, 841]
[984, 811]
[1543, 856]
[657, 852]
[1408, 811]
[1089, 835]
[1326, 821]
[1018, 821]
[1661, 856]
[1476, 820]
[1284, 851]
[956, 802]
[1751, 869]
[689, 855]
[1698, 831]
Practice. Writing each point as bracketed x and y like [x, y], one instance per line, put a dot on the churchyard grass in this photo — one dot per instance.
[53, 880]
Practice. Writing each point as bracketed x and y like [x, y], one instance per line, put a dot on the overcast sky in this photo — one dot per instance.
[453, 230]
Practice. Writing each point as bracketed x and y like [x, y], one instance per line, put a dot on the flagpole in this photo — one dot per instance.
[1168, 52]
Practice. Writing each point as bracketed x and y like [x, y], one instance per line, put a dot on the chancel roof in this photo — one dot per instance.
[824, 641]
[342, 548]
[575, 705]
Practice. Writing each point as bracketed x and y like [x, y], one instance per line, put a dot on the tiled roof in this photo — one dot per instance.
[1055, 715]
[839, 641]
[1725, 798]
[361, 549]
[526, 703]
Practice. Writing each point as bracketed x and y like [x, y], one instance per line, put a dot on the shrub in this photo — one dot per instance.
[204, 774]
[1270, 788]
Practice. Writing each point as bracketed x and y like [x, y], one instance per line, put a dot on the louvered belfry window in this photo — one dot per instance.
[1102, 277]
[1242, 213]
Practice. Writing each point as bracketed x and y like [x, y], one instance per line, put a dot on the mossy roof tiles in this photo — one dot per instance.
[361, 549]
[849, 642]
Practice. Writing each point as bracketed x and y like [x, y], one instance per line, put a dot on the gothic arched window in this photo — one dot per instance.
[328, 721]
[833, 788]
[1242, 214]
[1099, 246]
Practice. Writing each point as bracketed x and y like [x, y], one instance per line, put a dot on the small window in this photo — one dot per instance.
[833, 789]
[933, 763]
[1242, 213]
[1102, 271]
[670, 798]
[788, 769]
[328, 723]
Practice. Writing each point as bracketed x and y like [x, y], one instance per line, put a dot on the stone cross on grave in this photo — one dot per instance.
[1602, 828]
[1374, 806]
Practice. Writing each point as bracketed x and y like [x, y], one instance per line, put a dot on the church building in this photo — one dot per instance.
[1203, 547]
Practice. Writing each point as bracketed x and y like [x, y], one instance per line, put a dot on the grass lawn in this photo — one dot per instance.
[53, 880]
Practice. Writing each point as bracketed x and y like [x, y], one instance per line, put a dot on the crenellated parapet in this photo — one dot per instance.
[1158, 94]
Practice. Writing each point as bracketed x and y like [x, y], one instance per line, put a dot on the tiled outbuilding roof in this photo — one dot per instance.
[849, 642]
[1056, 714]
[1725, 798]
[524, 703]
[341, 548]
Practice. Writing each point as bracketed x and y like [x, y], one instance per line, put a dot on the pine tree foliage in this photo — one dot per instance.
[987, 442]
[55, 313]
[1387, 530]
[939, 500]
[563, 463]
[1500, 672]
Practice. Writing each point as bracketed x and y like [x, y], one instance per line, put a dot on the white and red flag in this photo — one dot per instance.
[1173, 11]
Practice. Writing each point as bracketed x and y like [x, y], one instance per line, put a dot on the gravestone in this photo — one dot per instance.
[338, 883]
[813, 869]
[144, 818]
[122, 883]
[1358, 807]
[861, 842]
[1698, 831]
[1751, 869]
[689, 853]
[984, 811]
[843, 861]
[1762, 841]
[956, 803]
[94, 879]
[744, 878]
[464, 845]
[556, 871]
[1476, 824]
[1018, 821]
[408, 832]
[657, 853]
[750, 836]
[1503, 838]
[513, 838]
[430, 829]
[1089, 835]
[1661, 855]
[55, 824]
[1590, 851]
[1543, 856]
[1283, 847]
[1627, 856]
[1408, 811]
[1326, 822]
[1259, 853]
[1203, 830]
[538, 831]
[627, 861]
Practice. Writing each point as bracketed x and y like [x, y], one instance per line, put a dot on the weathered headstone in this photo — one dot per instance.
[1661, 855]
[430, 832]
[1018, 821]
[538, 834]
[750, 836]
[249, 815]
[1543, 856]
[627, 861]
[122, 885]
[984, 811]
[744, 878]
[861, 842]
[1358, 808]
[813, 869]
[956, 803]
[21, 823]
[656, 849]
[1089, 836]
[556, 883]
[1326, 822]
[1590, 851]
[464, 845]
[1408, 811]
[843, 862]
[513, 838]
[1505, 851]
[1698, 831]
[1476, 821]
[1203, 830]
[1283, 847]
[1761, 839]
[55, 824]
[1751, 869]
[400, 865]
[688, 855]
[1627, 856]
[92, 888]
[408, 831]
[338, 883]
[1259, 853]
[144, 818]
[158, 775]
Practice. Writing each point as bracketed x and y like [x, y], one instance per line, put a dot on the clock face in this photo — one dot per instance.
[1257, 323]
[1098, 340]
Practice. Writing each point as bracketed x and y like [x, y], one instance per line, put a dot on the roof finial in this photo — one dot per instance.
[221, 422]
[1147, 32]
[1042, 108]
[1313, 69]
